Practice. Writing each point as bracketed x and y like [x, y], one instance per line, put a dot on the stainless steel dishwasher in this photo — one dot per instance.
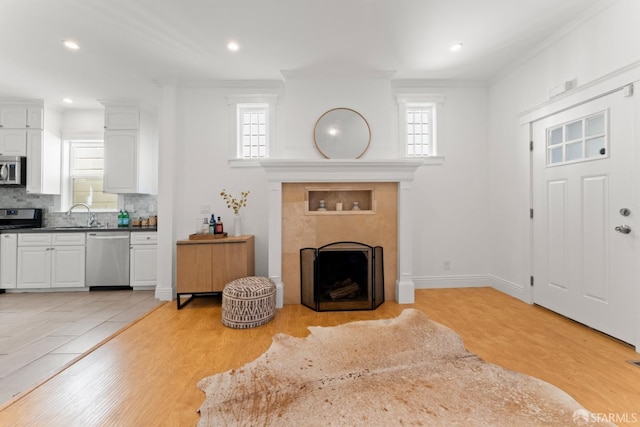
[107, 259]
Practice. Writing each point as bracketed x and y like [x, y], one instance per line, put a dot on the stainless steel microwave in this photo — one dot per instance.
[13, 171]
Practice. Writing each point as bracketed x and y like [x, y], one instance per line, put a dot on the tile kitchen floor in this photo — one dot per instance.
[41, 332]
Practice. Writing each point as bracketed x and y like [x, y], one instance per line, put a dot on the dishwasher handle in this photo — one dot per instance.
[97, 236]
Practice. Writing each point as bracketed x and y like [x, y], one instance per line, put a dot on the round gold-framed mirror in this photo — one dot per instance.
[342, 133]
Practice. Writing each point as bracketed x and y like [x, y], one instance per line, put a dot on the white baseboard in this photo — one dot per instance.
[466, 281]
[428, 282]
[510, 288]
[41, 290]
[165, 294]
[144, 288]
[472, 281]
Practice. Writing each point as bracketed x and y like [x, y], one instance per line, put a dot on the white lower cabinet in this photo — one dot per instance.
[67, 267]
[51, 260]
[8, 261]
[57, 260]
[34, 267]
[143, 263]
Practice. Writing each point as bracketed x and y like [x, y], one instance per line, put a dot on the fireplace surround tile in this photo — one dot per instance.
[300, 230]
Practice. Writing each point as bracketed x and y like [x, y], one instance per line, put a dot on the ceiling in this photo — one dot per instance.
[129, 45]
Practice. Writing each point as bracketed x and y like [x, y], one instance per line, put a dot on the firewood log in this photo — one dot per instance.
[344, 291]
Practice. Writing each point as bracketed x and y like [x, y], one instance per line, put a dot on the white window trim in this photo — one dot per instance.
[271, 100]
[432, 100]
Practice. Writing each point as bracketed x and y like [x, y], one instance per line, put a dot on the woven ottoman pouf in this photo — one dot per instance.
[248, 302]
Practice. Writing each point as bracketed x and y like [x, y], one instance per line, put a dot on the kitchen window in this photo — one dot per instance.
[253, 119]
[84, 181]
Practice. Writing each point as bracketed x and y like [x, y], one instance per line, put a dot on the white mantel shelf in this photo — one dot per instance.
[340, 170]
[402, 171]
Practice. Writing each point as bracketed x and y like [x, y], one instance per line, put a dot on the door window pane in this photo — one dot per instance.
[555, 155]
[595, 125]
[555, 136]
[574, 130]
[594, 145]
[574, 151]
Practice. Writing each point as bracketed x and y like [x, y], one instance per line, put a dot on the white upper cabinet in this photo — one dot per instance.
[35, 118]
[25, 132]
[130, 150]
[120, 161]
[121, 118]
[44, 154]
[13, 117]
[13, 142]
[21, 116]
[44, 162]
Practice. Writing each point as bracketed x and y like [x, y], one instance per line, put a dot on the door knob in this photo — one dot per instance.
[624, 229]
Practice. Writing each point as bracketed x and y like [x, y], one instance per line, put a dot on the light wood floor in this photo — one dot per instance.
[147, 374]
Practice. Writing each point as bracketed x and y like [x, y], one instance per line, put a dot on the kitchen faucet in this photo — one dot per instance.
[92, 218]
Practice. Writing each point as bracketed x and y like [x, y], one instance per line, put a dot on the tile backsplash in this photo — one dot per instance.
[138, 206]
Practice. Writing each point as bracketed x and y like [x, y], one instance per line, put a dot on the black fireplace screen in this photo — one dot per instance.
[342, 276]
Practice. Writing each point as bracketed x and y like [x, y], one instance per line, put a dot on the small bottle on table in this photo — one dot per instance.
[219, 229]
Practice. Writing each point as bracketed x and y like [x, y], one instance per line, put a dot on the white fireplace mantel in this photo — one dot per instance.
[340, 170]
[401, 171]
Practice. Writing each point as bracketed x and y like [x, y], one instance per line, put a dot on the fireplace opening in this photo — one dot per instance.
[342, 276]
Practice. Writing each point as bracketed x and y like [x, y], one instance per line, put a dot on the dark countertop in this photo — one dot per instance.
[76, 229]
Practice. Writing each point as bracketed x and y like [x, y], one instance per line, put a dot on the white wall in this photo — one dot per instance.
[305, 100]
[203, 137]
[83, 122]
[450, 200]
[605, 41]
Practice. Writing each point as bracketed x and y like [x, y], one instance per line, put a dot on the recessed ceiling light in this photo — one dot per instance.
[71, 45]
[233, 46]
[67, 101]
[456, 47]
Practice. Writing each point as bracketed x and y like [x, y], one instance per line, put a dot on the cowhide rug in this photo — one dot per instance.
[403, 371]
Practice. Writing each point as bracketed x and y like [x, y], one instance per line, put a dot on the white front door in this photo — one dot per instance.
[583, 254]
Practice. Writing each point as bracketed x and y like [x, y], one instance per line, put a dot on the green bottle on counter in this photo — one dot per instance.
[120, 218]
[125, 219]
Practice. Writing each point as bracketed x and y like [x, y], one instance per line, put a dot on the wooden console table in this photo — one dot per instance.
[205, 266]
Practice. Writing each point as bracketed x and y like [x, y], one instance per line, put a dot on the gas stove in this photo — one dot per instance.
[11, 219]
